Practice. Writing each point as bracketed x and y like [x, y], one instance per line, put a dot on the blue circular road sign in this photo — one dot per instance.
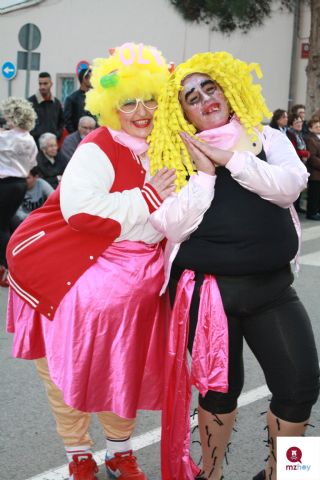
[9, 70]
[81, 65]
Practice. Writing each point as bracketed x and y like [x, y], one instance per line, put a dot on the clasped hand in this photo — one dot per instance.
[163, 182]
[205, 157]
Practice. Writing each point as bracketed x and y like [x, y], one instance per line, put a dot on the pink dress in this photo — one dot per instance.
[118, 297]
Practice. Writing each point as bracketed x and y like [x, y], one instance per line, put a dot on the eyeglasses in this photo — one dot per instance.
[131, 105]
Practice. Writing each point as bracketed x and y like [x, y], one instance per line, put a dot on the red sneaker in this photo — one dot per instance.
[123, 466]
[3, 276]
[83, 467]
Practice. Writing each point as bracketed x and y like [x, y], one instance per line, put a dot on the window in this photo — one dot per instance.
[66, 84]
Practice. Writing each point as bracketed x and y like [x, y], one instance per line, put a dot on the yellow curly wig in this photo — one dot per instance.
[131, 71]
[245, 99]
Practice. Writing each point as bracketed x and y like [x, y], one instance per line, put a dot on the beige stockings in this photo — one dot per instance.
[73, 425]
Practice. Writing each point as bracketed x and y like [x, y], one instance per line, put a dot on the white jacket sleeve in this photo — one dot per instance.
[181, 213]
[279, 180]
[85, 201]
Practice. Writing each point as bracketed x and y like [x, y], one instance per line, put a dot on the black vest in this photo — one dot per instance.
[240, 234]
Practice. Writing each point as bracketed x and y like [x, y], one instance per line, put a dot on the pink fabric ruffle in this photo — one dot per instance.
[106, 344]
[209, 370]
[224, 137]
[135, 144]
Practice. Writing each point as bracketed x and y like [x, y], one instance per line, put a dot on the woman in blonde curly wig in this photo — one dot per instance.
[100, 323]
[19, 113]
[231, 276]
[18, 153]
[244, 99]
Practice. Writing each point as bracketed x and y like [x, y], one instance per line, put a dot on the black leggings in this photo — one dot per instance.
[266, 311]
[12, 191]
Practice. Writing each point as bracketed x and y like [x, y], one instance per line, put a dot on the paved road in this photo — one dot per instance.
[29, 444]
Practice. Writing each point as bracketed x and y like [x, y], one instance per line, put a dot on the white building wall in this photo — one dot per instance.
[300, 79]
[74, 30]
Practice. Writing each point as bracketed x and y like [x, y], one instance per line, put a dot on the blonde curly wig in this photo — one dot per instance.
[131, 71]
[235, 79]
[19, 112]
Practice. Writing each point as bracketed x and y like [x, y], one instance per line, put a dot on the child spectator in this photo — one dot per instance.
[38, 190]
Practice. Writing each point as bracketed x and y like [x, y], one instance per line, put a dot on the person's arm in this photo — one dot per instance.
[181, 213]
[60, 125]
[279, 180]
[45, 187]
[302, 154]
[292, 139]
[314, 149]
[68, 114]
[36, 132]
[68, 147]
[34, 153]
[86, 203]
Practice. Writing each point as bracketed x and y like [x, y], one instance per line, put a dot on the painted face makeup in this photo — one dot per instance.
[203, 102]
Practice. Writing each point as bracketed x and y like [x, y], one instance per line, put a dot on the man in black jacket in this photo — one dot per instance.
[75, 103]
[48, 108]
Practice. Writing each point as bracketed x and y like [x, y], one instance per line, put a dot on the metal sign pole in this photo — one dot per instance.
[9, 88]
[30, 41]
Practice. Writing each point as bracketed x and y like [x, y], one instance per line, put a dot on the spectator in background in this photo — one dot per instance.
[313, 165]
[18, 153]
[300, 110]
[315, 114]
[279, 120]
[294, 134]
[2, 121]
[50, 162]
[70, 143]
[74, 104]
[48, 109]
[38, 190]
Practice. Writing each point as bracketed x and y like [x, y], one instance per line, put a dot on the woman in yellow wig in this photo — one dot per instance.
[85, 271]
[231, 277]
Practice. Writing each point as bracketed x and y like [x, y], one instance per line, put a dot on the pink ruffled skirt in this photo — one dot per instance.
[105, 347]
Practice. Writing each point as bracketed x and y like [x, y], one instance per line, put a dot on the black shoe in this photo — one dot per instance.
[260, 476]
[316, 216]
